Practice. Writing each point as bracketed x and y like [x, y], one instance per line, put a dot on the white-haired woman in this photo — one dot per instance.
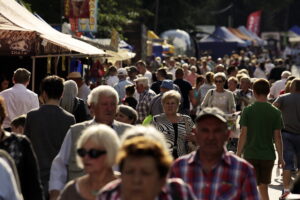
[97, 148]
[71, 103]
[175, 126]
[220, 97]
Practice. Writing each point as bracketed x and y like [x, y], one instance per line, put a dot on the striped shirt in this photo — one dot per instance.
[184, 126]
[232, 178]
[175, 189]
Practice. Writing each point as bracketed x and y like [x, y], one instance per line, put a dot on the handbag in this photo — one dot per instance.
[175, 147]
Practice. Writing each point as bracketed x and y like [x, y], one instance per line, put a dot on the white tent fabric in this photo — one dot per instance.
[22, 18]
[244, 30]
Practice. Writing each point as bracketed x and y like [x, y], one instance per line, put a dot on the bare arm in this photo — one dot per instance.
[278, 144]
[242, 141]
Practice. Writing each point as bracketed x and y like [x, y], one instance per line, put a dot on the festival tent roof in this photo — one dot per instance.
[241, 35]
[295, 29]
[252, 35]
[222, 34]
[17, 17]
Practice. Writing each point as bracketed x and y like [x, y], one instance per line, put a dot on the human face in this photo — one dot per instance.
[245, 85]
[105, 109]
[232, 85]
[170, 106]
[140, 179]
[211, 135]
[219, 82]
[93, 165]
[141, 68]
[140, 88]
[123, 118]
[4, 84]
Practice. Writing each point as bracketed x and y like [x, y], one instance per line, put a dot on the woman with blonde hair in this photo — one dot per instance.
[97, 149]
[144, 163]
[176, 127]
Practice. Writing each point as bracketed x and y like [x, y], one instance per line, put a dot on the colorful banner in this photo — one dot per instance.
[89, 24]
[77, 8]
[253, 22]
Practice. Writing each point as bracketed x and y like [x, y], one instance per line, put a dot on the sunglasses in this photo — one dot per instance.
[219, 81]
[93, 153]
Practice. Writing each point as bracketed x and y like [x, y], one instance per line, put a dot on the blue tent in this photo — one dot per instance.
[295, 29]
[220, 42]
[252, 35]
[222, 34]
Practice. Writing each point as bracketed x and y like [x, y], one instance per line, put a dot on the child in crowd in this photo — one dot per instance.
[129, 99]
[18, 124]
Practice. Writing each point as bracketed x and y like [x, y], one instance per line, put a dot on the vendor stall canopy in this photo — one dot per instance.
[22, 33]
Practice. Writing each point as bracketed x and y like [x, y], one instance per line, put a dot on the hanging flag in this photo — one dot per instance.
[253, 22]
[89, 24]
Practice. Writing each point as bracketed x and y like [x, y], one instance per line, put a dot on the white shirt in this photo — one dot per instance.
[83, 92]
[259, 73]
[149, 76]
[8, 189]
[112, 80]
[18, 100]
[58, 171]
[277, 87]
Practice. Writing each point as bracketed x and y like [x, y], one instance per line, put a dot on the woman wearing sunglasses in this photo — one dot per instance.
[144, 162]
[220, 97]
[97, 148]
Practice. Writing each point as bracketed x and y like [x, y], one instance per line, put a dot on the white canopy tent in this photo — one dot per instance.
[53, 43]
[22, 18]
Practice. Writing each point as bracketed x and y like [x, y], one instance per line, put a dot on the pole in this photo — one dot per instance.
[33, 73]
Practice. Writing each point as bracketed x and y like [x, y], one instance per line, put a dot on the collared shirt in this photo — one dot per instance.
[175, 189]
[144, 104]
[232, 178]
[18, 100]
[59, 171]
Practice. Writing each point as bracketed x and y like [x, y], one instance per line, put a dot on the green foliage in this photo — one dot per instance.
[173, 14]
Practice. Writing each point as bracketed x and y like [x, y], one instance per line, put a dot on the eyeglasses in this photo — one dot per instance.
[93, 153]
[219, 81]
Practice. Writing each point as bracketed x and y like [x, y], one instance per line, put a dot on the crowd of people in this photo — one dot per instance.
[173, 128]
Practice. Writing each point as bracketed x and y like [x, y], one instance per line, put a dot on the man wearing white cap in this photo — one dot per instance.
[83, 89]
[123, 82]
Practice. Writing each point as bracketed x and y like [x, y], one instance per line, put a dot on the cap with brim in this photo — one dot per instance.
[122, 72]
[214, 112]
[140, 79]
[74, 75]
[168, 84]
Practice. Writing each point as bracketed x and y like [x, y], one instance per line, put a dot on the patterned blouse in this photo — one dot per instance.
[184, 126]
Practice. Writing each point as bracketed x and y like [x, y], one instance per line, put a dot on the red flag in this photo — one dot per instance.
[253, 22]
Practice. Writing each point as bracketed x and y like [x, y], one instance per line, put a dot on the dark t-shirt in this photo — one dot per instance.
[275, 73]
[156, 86]
[185, 88]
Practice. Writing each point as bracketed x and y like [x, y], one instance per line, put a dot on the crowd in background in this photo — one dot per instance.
[193, 111]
